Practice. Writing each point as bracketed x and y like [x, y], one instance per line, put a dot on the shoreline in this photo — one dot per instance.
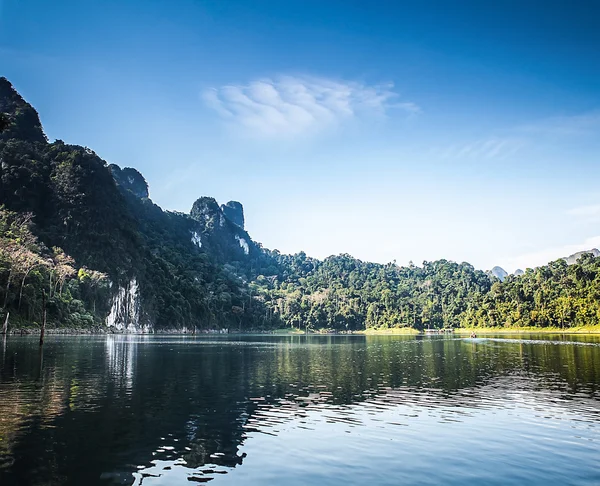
[297, 332]
[402, 331]
[528, 330]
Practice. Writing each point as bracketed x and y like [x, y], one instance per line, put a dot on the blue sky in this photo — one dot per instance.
[387, 130]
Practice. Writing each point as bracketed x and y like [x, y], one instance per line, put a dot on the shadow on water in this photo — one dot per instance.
[141, 409]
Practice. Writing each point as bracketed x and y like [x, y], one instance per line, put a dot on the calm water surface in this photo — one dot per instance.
[300, 410]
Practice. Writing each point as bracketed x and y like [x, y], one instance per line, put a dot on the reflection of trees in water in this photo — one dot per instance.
[36, 388]
[108, 406]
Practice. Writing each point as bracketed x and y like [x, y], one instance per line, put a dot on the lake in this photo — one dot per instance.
[300, 410]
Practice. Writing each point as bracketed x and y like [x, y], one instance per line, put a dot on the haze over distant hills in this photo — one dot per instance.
[571, 259]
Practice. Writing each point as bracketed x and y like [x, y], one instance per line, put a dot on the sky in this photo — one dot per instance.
[400, 130]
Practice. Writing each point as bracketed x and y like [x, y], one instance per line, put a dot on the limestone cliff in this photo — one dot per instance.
[234, 212]
[222, 236]
[130, 180]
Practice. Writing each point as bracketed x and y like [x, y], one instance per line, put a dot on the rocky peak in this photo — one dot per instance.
[130, 179]
[206, 210]
[234, 212]
[21, 120]
[221, 229]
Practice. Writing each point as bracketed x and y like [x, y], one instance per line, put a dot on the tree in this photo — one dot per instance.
[63, 269]
[28, 260]
[93, 280]
[4, 122]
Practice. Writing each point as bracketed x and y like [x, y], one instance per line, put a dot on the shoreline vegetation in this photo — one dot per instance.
[530, 330]
[319, 332]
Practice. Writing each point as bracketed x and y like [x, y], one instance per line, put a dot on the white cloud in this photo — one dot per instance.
[291, 105]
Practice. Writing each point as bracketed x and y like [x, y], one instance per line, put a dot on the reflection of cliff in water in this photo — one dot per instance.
[120, 405]
[121, 358]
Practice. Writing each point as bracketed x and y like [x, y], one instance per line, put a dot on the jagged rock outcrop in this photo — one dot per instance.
[234, 212]
[206, 211]
[219, 234]
[130, 179]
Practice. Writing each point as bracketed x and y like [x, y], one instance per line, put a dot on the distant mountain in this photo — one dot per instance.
[499, 273]
[572, 259]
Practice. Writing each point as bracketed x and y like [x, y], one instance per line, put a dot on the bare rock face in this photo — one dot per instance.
[206, 211]
[130, 179]
[234, 212]
[220, 229]
[125, 310]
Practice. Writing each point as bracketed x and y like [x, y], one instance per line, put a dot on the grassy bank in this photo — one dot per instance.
[461, 331]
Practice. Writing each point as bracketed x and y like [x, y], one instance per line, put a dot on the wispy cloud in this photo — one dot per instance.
[486, 149]
[292, 105]
[546, 132]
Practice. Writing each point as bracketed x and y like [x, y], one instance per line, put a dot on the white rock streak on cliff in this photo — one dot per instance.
[125, 310]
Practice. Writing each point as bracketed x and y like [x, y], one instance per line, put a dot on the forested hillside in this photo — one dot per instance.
[82, 240]
[342, 293]
[65, 198]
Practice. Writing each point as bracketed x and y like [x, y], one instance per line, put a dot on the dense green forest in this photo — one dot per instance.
[344, 293]
[82, 241]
